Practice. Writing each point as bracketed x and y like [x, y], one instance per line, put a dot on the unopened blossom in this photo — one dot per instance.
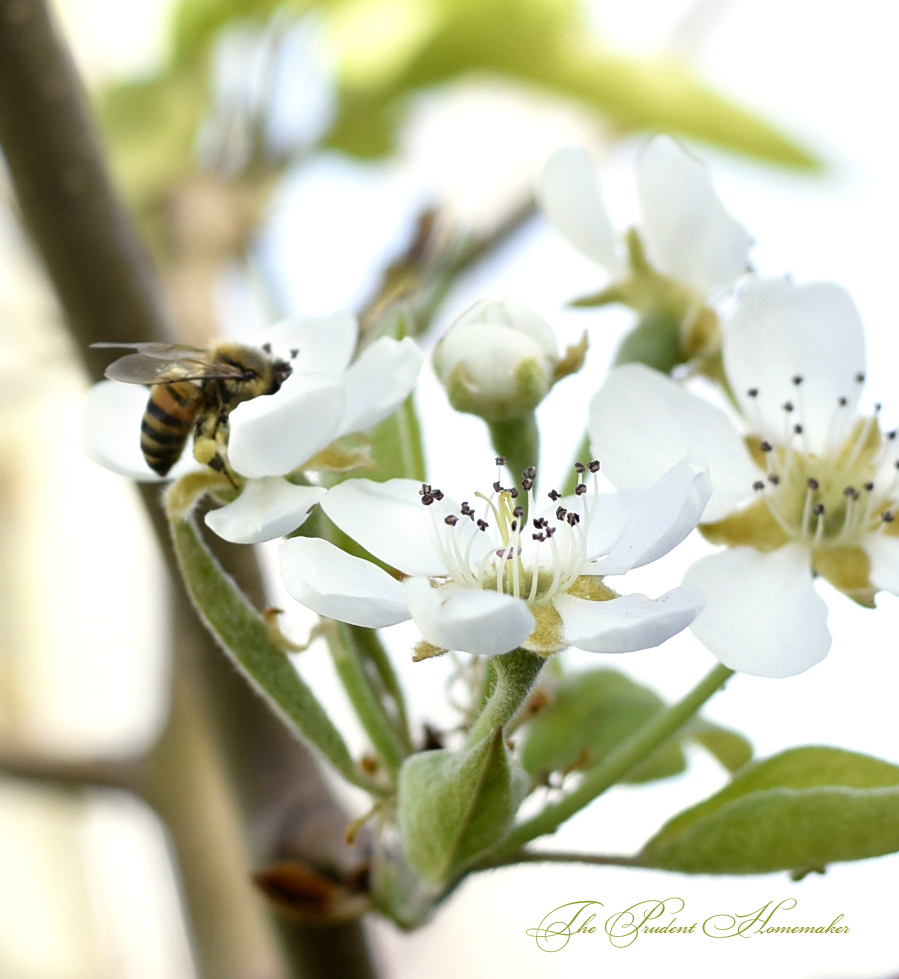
[499, 360]
[493, 574]
[684, 253]
[803, 483]
[274, 438]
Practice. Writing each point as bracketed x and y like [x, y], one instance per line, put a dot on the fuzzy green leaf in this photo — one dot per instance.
[242, 633]
[454, 806]
[593, 712]
[797, 811]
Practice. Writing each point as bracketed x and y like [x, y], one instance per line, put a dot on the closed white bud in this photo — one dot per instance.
[498, 360]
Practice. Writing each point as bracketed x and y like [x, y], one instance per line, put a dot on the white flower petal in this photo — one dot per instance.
[628, 623]
[266, 508]
[762, 615]
[688, 234]
[275, 434]
[323, 344]
[336, 584]
[470, 620]
[379, 382]
[883, 550]
[111, 436]
[660, 519]
[641, 424]
[389, 520]
[780, 331]
[568, 194]
[509, 312]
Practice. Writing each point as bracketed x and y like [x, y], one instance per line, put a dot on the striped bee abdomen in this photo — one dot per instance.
[167, 422]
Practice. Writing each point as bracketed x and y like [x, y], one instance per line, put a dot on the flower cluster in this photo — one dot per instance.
[783, 473]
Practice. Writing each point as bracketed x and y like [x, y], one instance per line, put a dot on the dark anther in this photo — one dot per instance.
[797, 379]
[842, 402]
[554, 495]
[812, 484]
[869, 487]
[527, 485]
[580, 489]
[513, 492]
[572, 519]
[497, 487]
[518, 512]
[438, 494]
[579, 467]
[451, 520]
[758, 485]
[860, 377]
[787, 406]
[753, 392]
[500, 460]
[482, 525]
[773, 478]
[529, 473]
[797, 429]
[266, 348]
[594, 466]
[887, 516]
[294, 351]
[513, 526]
[818, 509]
[766, 446]
[560, 513]
[427, 499]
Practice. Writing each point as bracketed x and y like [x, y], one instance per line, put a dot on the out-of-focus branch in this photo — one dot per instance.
[100, 269]
[109, 292]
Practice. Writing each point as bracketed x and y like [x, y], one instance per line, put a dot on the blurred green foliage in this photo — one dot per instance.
[385, 50]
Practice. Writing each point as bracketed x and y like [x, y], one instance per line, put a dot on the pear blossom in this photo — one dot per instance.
[498, 360]
[500, 576]
[803, 483]
[273, 438]
[686, 251]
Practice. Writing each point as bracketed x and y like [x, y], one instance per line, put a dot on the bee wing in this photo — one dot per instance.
[161, 351]
[145, 368]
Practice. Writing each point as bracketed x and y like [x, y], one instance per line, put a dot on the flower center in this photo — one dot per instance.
[530, 557]
[838, 497]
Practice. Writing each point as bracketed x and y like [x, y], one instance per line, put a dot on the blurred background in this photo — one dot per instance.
[277, 159]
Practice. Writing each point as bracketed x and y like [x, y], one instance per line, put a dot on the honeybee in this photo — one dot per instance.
[194, 389]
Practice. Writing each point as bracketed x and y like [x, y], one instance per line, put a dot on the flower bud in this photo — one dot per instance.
[498, 360]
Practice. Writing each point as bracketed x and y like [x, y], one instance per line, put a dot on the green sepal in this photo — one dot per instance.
[591, 713]
[655, 341]
[797, 811]
[244, 636]
[455, 806]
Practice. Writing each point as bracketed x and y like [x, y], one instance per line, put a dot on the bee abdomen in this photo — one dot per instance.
[167, 423]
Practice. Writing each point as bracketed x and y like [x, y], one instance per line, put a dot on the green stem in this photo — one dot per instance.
[617, 764]
[519, 442]
[242, 633]
[369, 645]
[515, 675]
[367, 704]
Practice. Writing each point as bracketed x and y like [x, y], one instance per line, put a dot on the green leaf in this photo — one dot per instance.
[730, 748]
[243, 635]
[454, 806]
[592, 713]
[797, 811]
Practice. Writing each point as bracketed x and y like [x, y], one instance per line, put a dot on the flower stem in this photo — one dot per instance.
[518, 441]
[617, 764]
[349, 661]
[515, 675]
